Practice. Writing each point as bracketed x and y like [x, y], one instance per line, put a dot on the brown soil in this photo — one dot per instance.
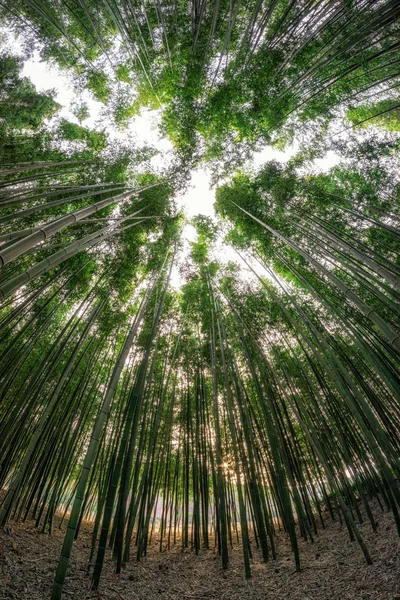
[332, 568]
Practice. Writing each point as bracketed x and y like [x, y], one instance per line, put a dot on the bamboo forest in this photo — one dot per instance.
[199, 299]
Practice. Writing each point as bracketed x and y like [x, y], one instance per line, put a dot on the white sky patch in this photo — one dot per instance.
[268, 153]
[330, 160]
[200, 198]
[189, 235]
[145, 128]
[47, 76]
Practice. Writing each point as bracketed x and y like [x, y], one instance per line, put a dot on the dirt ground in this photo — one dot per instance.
[332, 568]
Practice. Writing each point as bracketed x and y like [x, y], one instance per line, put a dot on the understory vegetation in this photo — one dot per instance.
[223, 387]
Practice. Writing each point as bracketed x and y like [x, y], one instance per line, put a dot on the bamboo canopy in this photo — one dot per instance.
[263, 393]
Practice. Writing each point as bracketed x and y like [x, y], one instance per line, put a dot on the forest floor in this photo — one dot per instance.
[332, 568]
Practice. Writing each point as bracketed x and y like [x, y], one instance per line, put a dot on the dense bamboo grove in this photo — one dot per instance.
[263, 393]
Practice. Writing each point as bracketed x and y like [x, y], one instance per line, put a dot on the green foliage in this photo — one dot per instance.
[95, 140]
[21, 106]
[123, 71]
[97, 82]
[81, 112]
[385, 113]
